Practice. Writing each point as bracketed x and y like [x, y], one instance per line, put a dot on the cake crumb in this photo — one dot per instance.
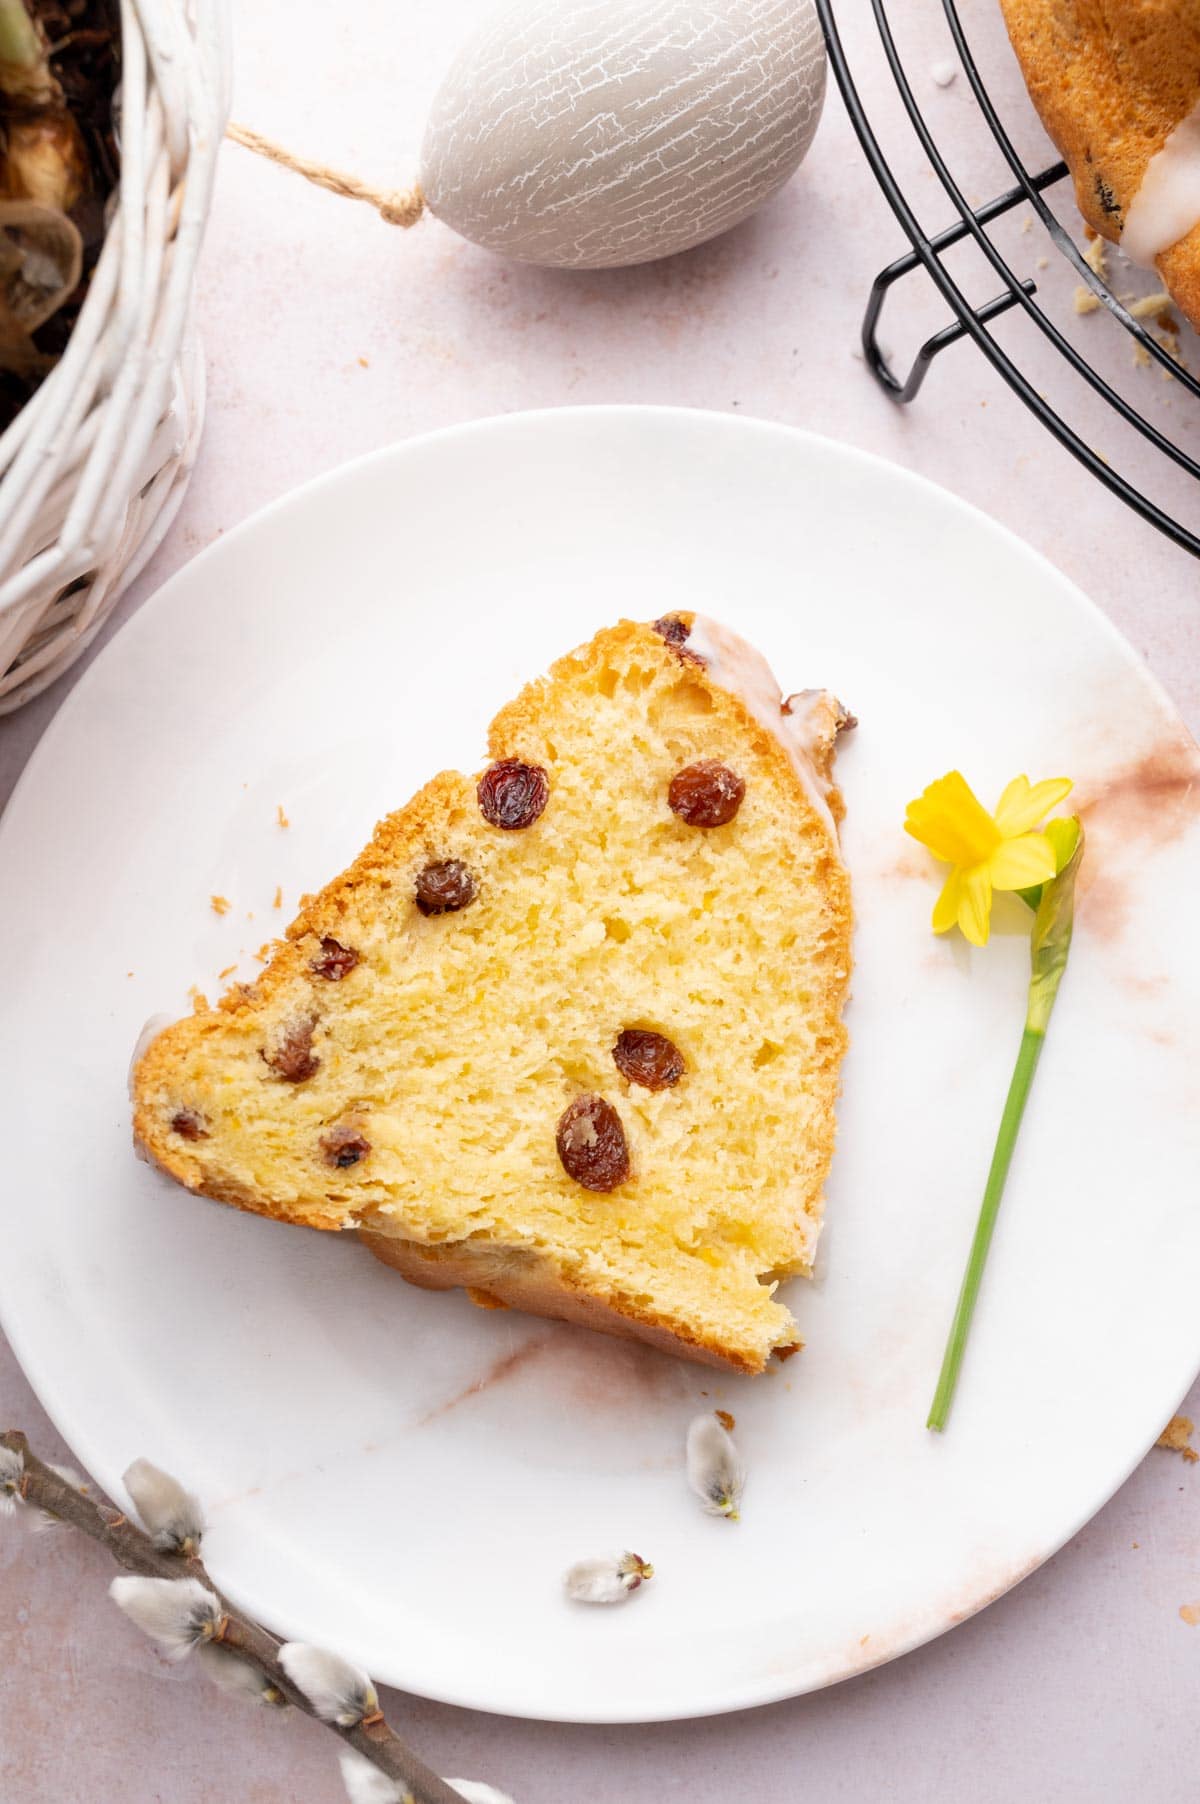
[1190, 1613]
[1095, 257]
[227, 972]
[198, 999]
[281, 817]
[363, 363]
[1150, 304]
[1176, 1436]
[1087, 302]
[220, 905]
[278, 902]
[1141, 356]
[1027, 223]
[264, 952]
[943, 73]
[727, 1421]
[1042, 263]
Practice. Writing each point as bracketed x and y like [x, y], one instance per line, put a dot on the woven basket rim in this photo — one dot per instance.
[106, 443]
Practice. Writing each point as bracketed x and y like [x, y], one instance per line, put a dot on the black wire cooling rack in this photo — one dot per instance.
[942, 146]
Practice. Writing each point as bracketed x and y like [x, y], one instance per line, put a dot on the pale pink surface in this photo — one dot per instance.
[327, 334]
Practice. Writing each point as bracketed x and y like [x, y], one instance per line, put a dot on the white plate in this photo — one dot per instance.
[405, 1477]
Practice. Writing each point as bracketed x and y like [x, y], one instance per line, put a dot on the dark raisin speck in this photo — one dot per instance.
[648, 1059]
[334, 960]
[706, 794]
[676, 632]
[1108, 200]
[591, 1144]
[443, 888]
[344, 1146]
[188, 1125]
[292, 1056]
[512, 794]
[843, 720]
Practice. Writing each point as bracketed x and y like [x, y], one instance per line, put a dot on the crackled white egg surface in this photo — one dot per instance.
[593, 133]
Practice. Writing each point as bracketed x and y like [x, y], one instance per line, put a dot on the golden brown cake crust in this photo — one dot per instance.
[539, 1290]
[1111, 79]
[499, 1275]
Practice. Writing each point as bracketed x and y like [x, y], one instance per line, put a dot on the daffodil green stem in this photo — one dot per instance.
[1032, 1041]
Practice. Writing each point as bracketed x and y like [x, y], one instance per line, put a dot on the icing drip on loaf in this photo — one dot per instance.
[1167, 205]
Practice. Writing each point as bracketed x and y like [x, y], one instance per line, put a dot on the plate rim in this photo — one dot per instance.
[763, 1691]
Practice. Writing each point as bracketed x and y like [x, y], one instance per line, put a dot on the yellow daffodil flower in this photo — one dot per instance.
[985, 851]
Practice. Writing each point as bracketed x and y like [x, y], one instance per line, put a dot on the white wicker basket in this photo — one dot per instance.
[94, 467]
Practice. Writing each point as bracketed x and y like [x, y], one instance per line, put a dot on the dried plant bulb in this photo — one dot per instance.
[26, 78]
[41, 258]
[44, 159]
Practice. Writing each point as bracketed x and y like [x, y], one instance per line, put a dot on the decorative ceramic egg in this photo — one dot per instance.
[593, 133]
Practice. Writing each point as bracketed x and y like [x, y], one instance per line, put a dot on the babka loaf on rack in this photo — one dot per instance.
[1117, 85]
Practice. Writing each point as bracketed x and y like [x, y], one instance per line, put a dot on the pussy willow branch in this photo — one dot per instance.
[373, 1738]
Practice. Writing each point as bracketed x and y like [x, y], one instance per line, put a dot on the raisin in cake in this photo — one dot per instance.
[567, 1033]
[1117, 85]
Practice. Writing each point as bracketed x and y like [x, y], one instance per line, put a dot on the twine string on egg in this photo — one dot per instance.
[397, 206]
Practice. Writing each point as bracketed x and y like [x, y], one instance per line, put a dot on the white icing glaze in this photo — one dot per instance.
[811, 718]
[1167, 205]
[151, 1031]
